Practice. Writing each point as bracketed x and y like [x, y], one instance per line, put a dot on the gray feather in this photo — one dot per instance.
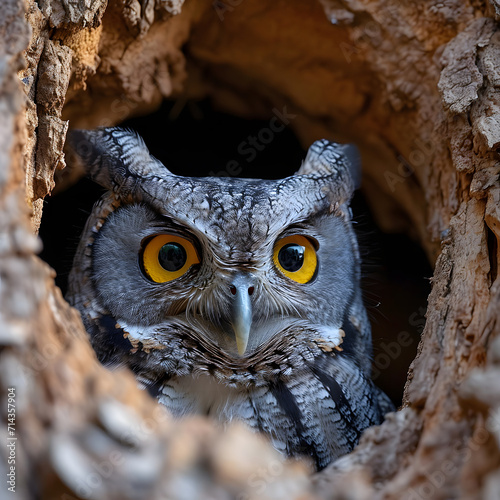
[304, 378]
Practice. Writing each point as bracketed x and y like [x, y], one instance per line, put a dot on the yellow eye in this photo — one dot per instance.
[296, 258]
[167, 257]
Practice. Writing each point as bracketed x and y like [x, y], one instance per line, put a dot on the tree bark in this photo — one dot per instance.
[414, 85]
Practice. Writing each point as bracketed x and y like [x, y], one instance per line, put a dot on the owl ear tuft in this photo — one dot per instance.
[336, 164]
[115, 158]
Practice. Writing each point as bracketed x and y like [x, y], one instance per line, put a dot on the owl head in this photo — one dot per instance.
[248, 282]
[236, 259]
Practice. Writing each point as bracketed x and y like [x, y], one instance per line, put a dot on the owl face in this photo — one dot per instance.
[237, 274]
[236, 298]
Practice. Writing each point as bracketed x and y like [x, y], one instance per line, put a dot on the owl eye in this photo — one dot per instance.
[167, 257]
[295, 256]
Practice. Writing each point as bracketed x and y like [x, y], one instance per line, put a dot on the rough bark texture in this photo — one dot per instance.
[414, 84]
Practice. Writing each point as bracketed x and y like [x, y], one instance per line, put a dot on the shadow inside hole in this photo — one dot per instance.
[200, 141]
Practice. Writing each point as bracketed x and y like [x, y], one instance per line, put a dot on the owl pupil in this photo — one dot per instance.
[291, 257]
[172, 256]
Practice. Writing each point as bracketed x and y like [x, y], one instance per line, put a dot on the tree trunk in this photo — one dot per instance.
[415, 85]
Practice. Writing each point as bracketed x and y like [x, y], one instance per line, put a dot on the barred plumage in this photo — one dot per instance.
[264, 324]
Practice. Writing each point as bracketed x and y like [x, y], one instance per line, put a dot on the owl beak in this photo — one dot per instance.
[241, 312]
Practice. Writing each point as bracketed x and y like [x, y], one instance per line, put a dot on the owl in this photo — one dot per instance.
[238, 299]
